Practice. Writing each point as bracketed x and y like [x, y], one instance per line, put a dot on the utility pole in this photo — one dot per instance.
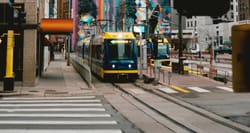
[181, 71]
[147, 23]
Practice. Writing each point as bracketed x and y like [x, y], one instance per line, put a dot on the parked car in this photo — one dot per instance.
[194, 50]
[223, 49]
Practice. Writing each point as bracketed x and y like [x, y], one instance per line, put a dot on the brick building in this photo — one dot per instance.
[244, 10]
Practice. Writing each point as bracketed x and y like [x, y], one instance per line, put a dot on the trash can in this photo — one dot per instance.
[175, 67]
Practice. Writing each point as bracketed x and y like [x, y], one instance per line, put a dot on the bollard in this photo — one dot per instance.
[164, 77]
[8, 82]
[169, 77]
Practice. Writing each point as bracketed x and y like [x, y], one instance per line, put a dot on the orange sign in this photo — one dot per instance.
[57, 25]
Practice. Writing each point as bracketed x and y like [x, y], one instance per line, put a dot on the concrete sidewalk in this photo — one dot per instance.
[58, 80]
[63, 80]
[168, 78]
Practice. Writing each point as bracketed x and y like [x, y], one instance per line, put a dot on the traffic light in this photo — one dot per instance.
[11, 2]
[131, 7]
[21, 17]
[213, 8]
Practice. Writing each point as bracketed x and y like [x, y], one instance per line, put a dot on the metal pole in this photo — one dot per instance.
[141, 56]
[8, 81]
[9, 74]
[180, 45]
[147, 26]
[68, 51]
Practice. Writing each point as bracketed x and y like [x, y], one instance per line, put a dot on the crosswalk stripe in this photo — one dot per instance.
[179, 89]
[52, 101]
[167, 90]
[47, 122]
[225, 88]
[137, 91]
[53, 109]
[55, 115]
[61, 131]
[198, 89]
[49, 98]
[53, 105]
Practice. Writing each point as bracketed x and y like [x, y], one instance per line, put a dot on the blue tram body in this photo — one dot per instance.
[112, 55]
[159, 51]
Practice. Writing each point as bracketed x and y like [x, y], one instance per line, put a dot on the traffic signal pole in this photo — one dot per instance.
[181, 69]
[8, 81]
[9, 74]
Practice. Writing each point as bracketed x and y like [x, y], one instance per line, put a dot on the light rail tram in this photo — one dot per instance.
[112, 56]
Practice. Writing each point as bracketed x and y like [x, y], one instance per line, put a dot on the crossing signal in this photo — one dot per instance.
[131, 7]
[21, 17]
[11, 2]
[213, 8]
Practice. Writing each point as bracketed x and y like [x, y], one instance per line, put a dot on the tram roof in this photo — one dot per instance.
[117, 35]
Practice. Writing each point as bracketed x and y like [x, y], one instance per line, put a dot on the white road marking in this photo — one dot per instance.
[51, 101]
[225, 88]
[55, 115]
[47, 122]
[198, 89]
[168, 90]
[137, 91]
[53, 105]
[44, 98]
[52, 109]
[60, 131]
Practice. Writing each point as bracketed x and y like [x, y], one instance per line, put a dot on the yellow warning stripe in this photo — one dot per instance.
[179, 89]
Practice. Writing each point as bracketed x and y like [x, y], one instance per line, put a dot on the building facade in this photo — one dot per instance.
[216, 31]
[27, 45]
[244, 10]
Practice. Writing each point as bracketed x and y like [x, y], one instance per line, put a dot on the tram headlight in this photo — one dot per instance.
[129, 66]
[113, 66]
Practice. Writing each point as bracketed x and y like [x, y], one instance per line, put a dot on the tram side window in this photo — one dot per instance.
[86, 51]
[98, 51]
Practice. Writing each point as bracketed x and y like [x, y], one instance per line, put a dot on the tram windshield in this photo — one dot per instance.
[162, 49]
[120, 49]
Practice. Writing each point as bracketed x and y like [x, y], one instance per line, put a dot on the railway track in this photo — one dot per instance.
[173, 114]
[154, 111]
